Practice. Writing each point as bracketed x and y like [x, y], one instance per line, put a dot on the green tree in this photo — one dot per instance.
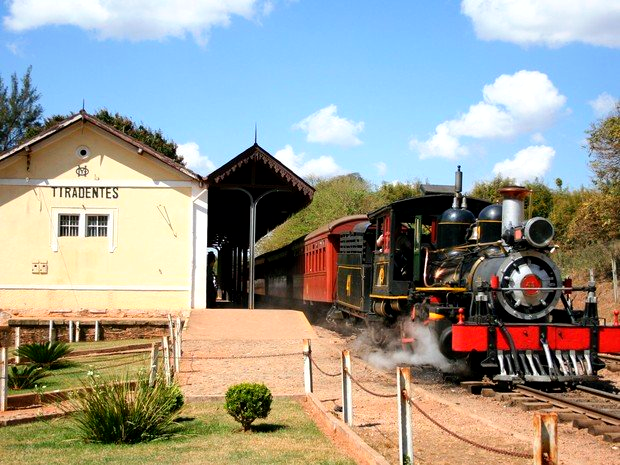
[604, 146]
[391, 192]
[19, 109]
[155, 139]
[489, 190]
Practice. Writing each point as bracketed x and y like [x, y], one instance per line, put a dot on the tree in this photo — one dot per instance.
[155, 139]
[391, 192]
[489, 190]
[19, 110]
[604, 146]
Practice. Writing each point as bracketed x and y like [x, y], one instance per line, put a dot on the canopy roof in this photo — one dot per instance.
[255, 173]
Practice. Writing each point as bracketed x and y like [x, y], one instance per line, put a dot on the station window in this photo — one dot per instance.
[83, 223]
[97, 225]
[69, 225]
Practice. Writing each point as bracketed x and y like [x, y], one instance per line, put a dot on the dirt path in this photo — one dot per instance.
[272, 353]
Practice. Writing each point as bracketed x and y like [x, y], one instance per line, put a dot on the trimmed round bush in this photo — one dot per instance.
[246, 402]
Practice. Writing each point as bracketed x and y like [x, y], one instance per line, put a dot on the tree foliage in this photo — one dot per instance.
[153, 138]
[19, 110]
[604, 145]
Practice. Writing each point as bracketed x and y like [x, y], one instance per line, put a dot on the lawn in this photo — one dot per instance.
[207, 436]
[80, 365]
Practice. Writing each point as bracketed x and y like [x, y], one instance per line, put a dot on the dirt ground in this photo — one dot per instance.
[211, 365]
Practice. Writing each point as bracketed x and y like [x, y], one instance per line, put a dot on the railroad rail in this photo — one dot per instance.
[585, 407]
[612, 361]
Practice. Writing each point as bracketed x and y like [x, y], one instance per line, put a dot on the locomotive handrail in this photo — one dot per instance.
[564, 289]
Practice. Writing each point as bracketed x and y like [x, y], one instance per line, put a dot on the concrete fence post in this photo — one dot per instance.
[347, 397]
[17, 342]
[405, 425]
[4, 382]
[166, 355]
[51, 334]
[546, 439]
[154, 357]
[307, 366]
[77, 331]
[71, 331]
[97, 330]
[177, 346]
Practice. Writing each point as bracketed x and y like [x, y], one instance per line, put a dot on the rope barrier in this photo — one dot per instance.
[332, 375]
[233, 357]
[468, 441]
[376, 394]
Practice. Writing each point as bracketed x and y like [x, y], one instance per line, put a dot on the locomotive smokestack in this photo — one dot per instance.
[513, 206]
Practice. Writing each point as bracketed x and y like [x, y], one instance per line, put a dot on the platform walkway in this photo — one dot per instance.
[222, 347]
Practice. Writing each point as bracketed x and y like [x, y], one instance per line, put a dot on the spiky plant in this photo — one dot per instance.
[25, 376]
[122, 411]
[46, 355]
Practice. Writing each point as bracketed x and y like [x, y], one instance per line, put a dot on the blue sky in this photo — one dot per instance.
[395, 91]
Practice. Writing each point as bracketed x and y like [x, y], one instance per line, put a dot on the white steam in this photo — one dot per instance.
[425, 351]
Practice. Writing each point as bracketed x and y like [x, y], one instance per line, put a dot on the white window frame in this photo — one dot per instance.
[111, 213]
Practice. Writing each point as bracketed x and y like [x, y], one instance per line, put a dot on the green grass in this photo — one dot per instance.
[287, 436]
[105, 365]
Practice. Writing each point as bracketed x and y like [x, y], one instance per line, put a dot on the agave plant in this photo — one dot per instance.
[25, 376]
[122, 411]
[45, 355]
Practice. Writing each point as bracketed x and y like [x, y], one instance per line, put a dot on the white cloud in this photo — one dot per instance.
[520, 103]
[381, 168]
[326, 127]
[551, 22]
[193, 160]
[527, 164]
[538, 138]
[603, 105]
[324, 166]
[133, 20]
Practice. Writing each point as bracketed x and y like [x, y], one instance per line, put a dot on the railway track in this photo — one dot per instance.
[595, 410]
[612, 362]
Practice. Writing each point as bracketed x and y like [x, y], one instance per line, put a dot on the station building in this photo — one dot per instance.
[92, 220]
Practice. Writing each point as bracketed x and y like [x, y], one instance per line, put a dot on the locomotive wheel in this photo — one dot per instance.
[379, 332]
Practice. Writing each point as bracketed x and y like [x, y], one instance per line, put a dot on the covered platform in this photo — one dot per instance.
[248, 197]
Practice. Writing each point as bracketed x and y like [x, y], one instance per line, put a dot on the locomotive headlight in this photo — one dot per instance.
[538, 232]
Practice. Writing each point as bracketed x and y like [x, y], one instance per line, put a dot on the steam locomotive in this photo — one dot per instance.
[479, 275]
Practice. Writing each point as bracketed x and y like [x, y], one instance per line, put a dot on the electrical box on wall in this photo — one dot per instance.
[39, 267]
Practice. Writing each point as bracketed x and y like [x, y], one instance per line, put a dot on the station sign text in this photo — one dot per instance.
[89, 192]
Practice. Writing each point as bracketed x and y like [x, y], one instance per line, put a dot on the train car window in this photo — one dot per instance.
[383, 235]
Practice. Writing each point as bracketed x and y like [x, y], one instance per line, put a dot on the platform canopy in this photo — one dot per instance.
[252, 176]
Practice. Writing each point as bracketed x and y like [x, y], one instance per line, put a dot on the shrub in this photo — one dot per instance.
[125, 411]
[46, 355]
[25, 376]
[246, 402]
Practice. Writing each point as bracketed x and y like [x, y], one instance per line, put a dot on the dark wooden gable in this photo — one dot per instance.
[257, 173]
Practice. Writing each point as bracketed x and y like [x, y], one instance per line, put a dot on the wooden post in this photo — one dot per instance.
[17, 342]
[51, 336]
[347, 398]
[71, 331]
[307, 366]
[97, 329]
[546, 439]
[77, 331]
[166, 351]
[4, 388]
[405, 426]
[154, 356]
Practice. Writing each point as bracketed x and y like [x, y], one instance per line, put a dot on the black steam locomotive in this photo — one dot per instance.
[478, 274]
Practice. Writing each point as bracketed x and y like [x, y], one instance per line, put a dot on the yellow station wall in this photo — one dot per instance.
[144, 263]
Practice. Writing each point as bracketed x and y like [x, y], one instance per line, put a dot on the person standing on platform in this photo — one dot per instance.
[211, 287]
